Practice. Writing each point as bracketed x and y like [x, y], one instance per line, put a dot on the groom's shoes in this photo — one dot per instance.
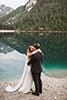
[34, 93]
[40, 92]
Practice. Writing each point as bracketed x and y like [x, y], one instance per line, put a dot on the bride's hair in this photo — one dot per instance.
[30, 50]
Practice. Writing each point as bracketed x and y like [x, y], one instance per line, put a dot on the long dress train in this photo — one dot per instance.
[25, 82]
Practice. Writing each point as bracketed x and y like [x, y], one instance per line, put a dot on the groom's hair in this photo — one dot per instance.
[37, 45]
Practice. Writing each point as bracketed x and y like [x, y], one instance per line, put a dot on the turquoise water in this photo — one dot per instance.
[55, 69]
[12, 65]
[54, 66]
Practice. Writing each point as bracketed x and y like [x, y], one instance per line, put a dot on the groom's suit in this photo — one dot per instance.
[36, 69]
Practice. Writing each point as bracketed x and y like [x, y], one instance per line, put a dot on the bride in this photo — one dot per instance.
[26, 81]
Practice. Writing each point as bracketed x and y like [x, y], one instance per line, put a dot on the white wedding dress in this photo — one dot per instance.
[25, 82]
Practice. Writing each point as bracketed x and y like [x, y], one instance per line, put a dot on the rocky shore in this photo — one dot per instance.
[53, 89]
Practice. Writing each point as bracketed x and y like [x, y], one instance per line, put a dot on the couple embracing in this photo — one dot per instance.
[32, 72]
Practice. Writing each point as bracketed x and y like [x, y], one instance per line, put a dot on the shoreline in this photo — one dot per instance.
[53, 73]
[30, 31]
[56, 73]
[53, 89]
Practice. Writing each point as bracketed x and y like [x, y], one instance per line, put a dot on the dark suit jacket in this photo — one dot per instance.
[35, 62]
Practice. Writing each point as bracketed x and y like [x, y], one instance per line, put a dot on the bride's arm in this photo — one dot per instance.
[30, 54]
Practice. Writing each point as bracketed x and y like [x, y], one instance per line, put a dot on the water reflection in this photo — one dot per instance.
[11, 65]
[5, 48]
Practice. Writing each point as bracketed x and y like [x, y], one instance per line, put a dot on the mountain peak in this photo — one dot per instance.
[4, 10]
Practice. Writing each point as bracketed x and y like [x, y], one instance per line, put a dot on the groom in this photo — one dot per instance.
[36, 69]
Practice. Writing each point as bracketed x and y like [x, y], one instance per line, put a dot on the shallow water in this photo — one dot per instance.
[58, 73]
[55, 69]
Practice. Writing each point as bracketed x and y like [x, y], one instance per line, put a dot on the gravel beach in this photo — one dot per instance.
[53, 89]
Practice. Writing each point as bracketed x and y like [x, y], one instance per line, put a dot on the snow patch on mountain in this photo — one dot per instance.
[30, 4]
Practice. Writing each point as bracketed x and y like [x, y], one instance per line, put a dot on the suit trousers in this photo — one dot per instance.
[37, 82]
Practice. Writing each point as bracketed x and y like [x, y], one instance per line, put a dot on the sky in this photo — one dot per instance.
[13, 3]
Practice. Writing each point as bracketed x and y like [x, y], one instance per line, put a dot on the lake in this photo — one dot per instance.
[13, 48]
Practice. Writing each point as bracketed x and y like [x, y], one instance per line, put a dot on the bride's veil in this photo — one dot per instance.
[12, 89]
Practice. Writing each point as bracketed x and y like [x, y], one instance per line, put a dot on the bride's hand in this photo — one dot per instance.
[29, 54]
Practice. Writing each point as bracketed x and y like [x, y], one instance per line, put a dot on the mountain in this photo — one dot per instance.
[4, 10]
[13, 17]
[9, 20]
[44, 14]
